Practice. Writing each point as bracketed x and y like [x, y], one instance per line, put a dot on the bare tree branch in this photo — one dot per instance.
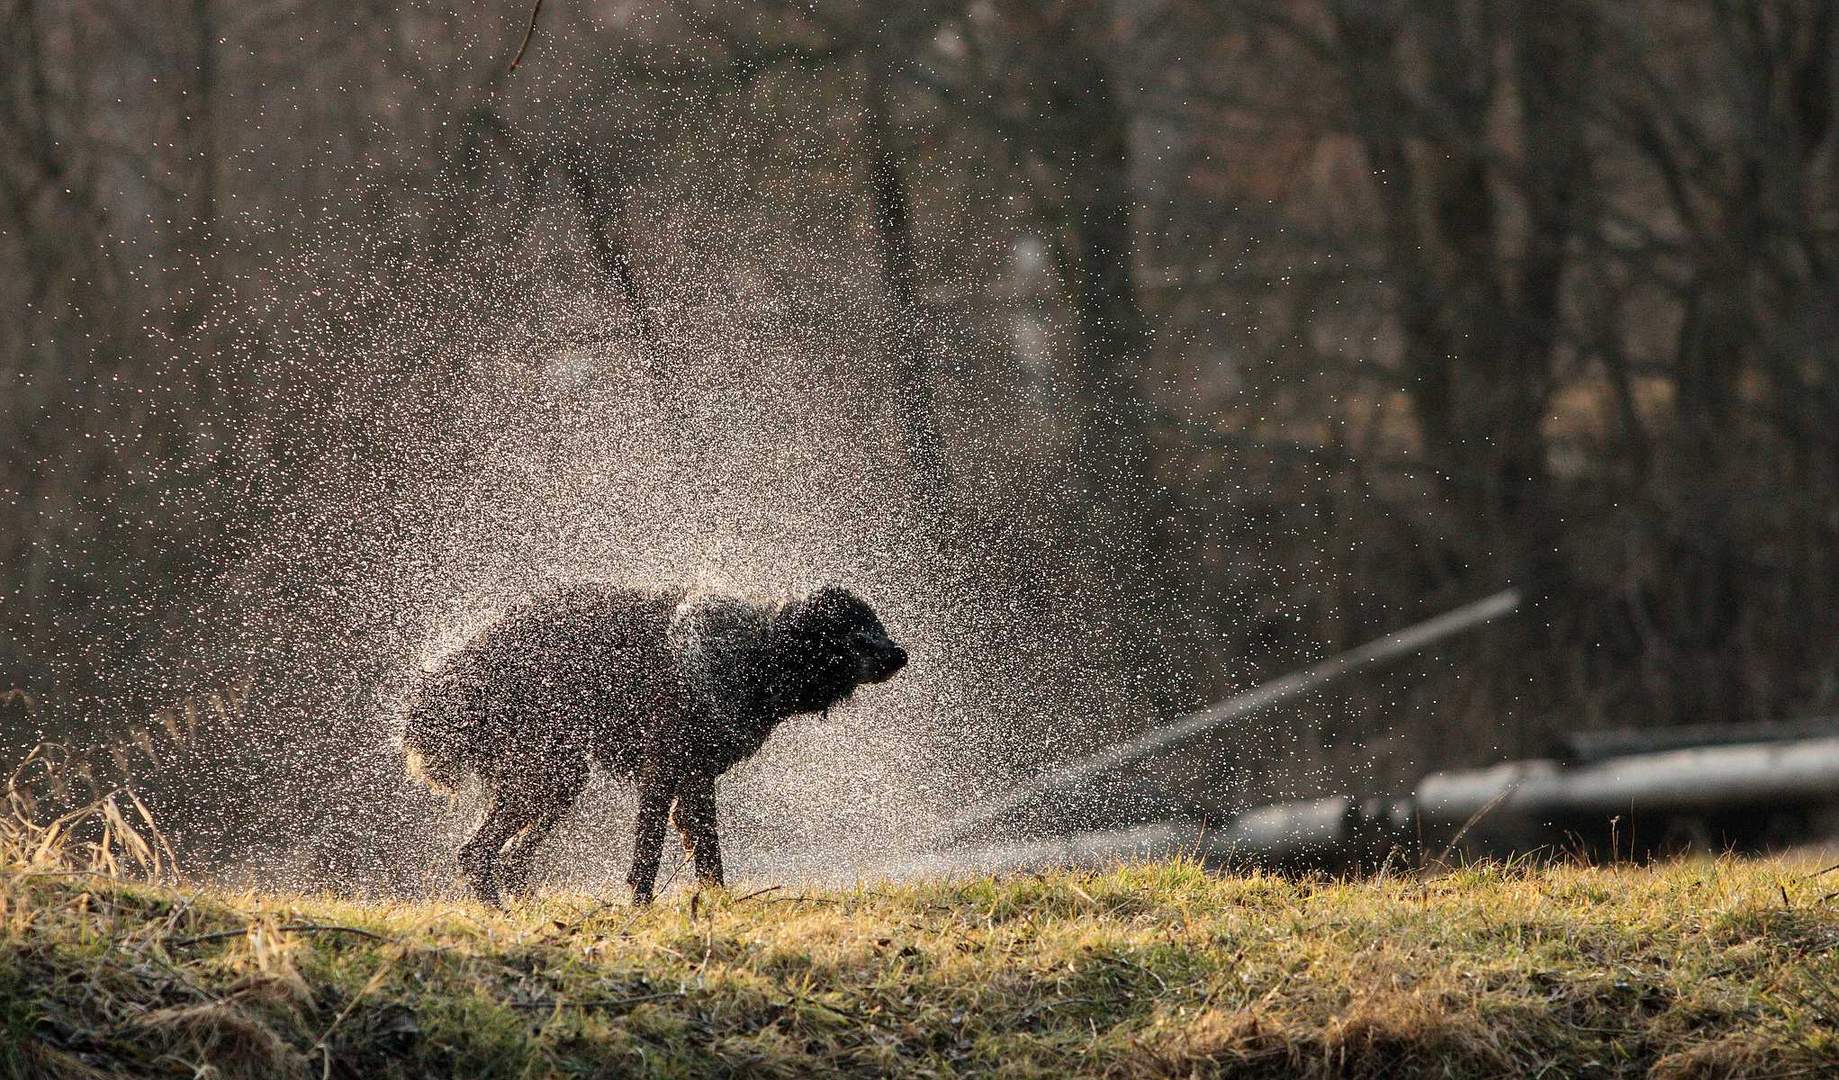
[517, 61]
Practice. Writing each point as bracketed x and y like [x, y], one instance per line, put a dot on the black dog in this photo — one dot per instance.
[671, 690]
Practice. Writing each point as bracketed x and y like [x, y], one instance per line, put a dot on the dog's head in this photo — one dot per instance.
[826, 645]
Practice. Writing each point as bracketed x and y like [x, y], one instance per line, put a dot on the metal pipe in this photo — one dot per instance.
[1703, 778]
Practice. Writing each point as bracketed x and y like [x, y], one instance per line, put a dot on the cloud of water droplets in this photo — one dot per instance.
[490, 427]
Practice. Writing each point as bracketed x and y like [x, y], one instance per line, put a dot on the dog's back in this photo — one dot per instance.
[570, 674]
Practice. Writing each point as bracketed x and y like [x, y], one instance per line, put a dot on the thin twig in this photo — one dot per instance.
[292, 928]
[708, 950]
[104, 875]
[178, 912]
[638, 910]
[529, 32]
[376, 980]
[601, 1003]
[1050, 1005]
[1474, 820]
[566, 928]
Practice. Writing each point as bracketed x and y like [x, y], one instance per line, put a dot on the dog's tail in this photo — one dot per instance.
[434, 736]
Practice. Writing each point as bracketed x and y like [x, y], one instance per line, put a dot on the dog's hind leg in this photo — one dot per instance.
[694, 816]
[508, 815]
[648, 836]
[550, 803]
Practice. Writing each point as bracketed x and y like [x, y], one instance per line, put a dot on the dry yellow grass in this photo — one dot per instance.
[1709, 968]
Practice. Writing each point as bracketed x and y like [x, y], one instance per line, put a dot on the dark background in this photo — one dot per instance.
[1303, 320]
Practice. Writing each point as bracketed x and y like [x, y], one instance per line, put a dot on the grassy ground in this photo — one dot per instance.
[1696, 969]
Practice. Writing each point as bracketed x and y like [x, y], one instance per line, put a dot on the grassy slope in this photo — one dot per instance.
[1702, 968]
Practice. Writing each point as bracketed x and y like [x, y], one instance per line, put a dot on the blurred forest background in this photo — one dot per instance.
[1356, 310]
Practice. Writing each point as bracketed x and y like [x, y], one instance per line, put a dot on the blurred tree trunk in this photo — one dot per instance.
[594, 182]
[892, 223]
[199, 243]
[1114, 335]
[591, 178]
[1081, 129]
[1480, 319]
[1745, 177]
[883, 42]
[202, 118]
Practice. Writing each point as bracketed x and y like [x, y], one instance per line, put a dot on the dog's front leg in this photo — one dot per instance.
[648, 836]
[694, 817]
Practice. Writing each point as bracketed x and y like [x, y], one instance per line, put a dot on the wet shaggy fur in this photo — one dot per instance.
[667, 688]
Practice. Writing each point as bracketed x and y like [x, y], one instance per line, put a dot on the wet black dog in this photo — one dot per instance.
[671, 690]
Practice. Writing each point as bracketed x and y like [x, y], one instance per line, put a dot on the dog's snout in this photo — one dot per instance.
[882, 661]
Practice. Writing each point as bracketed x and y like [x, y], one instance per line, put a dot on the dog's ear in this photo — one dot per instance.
[833, 601]
[819, 615]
